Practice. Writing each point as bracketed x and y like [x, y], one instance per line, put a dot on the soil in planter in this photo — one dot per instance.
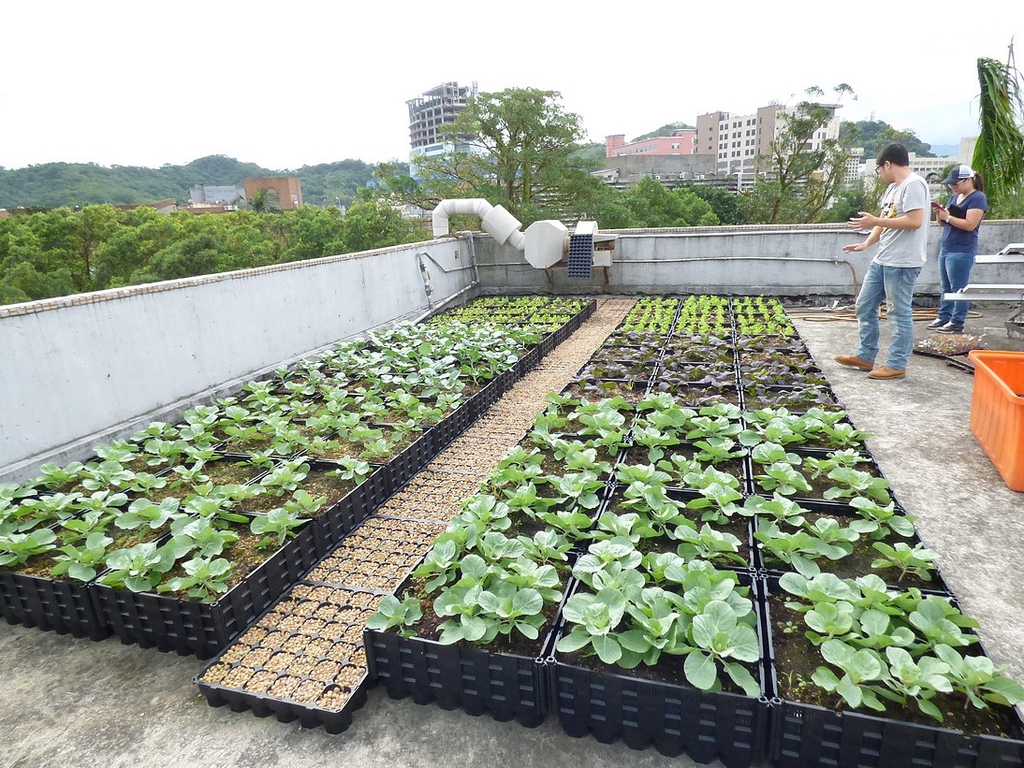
[737, 527]
[428, 627]
[697, 397]
[858, 562]
[247, 554]
[639, 455]
[796, 659]
[818, 484]
[596, 390]
[230, 473]
[41, 565]
[797, 400]
[669, 670]
[751, 360]
[219, 473]
[317, 484]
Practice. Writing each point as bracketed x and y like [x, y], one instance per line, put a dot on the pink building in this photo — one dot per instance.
[682, 141]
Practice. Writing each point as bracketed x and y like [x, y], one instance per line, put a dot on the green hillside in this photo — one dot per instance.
[52, 185]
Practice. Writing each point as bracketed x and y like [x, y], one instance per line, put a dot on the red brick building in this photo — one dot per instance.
[288, 189]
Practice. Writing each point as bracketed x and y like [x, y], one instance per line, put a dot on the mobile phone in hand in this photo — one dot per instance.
[937, 206]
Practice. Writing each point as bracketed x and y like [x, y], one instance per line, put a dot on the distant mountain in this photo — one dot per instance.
[665, 130]
[53, 185]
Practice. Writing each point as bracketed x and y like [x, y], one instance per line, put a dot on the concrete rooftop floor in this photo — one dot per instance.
[75, 702]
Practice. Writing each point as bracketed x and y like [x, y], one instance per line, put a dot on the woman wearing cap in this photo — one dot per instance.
[960, 219]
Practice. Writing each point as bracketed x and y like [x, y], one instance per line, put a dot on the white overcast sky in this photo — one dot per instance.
[298, 82]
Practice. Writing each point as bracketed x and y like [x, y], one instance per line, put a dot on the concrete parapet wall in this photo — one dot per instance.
[777, 260]
[92, 367]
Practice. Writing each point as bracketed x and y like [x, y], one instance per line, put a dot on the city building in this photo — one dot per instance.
[967, 145]
[624, 171]
[288, 190]
[853, 170]
[214, 194]
[736, 140]
[931, 169]
[681, 141]
[435, 108]
[428, 113]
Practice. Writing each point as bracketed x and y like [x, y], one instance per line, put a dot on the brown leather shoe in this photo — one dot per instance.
[852, 361]
[885, 372]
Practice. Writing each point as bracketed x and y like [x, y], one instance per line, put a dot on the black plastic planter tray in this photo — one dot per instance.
[697, 397]
[774, 568]
[547, 344]
[808, 736]
[193, 628]
[772, 343]
[504, 686]
[50, 604]
[796, 398]
[343, 516]
[673, 719]
[451, 426]
[527, 362]
[490, 393]
[410, 461]
[612, 502]
[805, 735]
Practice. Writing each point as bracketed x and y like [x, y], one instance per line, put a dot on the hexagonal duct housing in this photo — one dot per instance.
[545, 242]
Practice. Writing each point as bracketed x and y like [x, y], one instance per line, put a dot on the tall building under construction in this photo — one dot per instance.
[434, 108]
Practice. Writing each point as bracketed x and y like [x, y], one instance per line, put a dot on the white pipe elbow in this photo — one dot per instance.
[455, 207]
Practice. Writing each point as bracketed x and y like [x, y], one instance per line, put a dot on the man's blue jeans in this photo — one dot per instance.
[896, 284]
[954, 274]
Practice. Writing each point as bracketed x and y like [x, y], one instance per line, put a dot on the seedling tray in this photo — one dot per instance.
[262, 705]
[334, 668]
[193, 628]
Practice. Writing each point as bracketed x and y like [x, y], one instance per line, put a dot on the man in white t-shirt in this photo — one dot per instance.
[902, 233]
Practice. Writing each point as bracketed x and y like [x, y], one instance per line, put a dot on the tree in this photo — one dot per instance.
[801, 181]
[999, 153]
[41, 254]
[665, 130]
[314, 233]
[873, 135]
[266, 200]
[654, 206]
[723, 202]
[373, 223]
[513, 148]
[141, 234]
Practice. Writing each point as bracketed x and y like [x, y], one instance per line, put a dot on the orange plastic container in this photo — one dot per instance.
[997, 411]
